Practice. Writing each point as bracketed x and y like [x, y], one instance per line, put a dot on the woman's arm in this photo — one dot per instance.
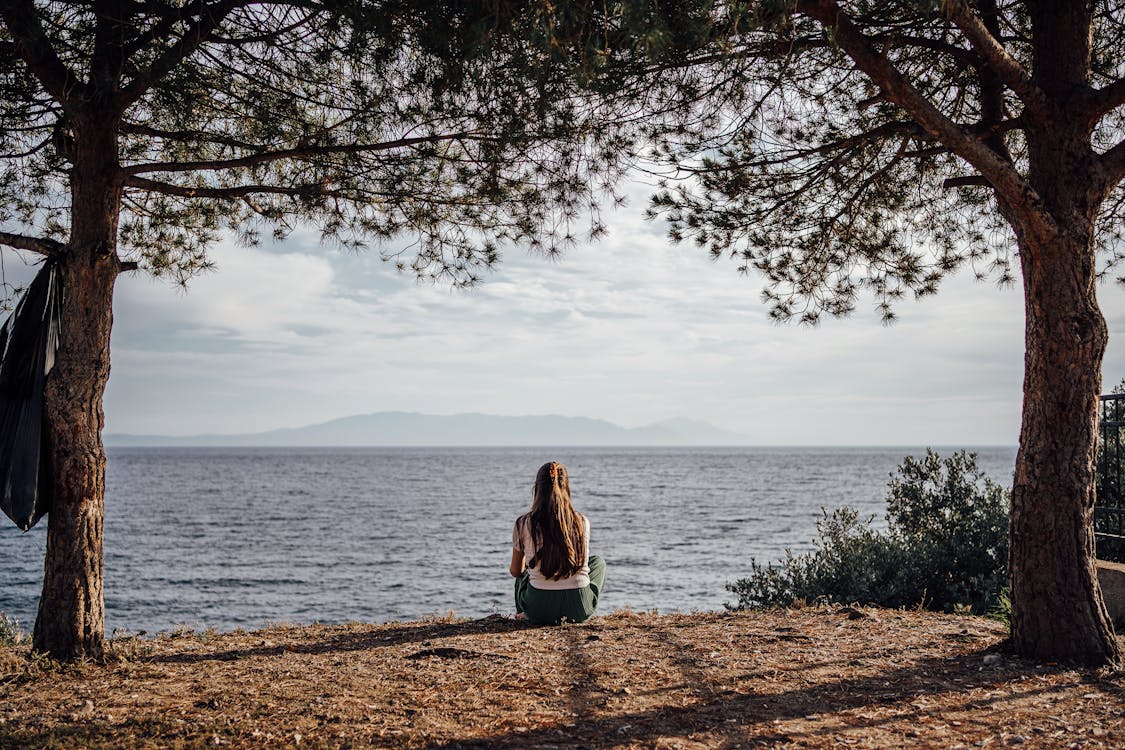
[516, 568]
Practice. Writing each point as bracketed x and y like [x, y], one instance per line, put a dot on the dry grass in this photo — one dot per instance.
[816, 677]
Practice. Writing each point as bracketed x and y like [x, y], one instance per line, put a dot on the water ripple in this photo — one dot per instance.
[244, 537]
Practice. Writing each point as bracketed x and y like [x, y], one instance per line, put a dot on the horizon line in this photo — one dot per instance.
[451, 446]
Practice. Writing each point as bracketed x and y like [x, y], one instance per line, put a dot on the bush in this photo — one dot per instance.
[10, 632]
[945, 548]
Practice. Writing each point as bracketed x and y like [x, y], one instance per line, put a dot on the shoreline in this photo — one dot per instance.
[811, 677]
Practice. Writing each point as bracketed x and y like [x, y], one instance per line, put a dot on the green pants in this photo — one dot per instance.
[546, 607]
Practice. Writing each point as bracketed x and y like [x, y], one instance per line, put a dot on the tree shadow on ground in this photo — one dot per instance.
[730, 718]
[371, 638]
[712, 688]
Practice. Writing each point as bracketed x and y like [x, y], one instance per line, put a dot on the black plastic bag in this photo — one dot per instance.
[29, 339]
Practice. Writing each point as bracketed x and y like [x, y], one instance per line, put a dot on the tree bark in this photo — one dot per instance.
[1057, 608]
[1058, 612]
[71, 618]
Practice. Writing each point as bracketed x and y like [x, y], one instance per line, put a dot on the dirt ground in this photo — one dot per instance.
[812, 677]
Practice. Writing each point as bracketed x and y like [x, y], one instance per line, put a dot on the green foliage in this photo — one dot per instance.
[11, 634]
[1002, 610]
[438, 131]
[945, 547]
[819, 180]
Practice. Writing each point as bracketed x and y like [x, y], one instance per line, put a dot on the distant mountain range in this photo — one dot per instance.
[397, 428]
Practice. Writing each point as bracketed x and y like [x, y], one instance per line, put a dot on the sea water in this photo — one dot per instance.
[243, 537]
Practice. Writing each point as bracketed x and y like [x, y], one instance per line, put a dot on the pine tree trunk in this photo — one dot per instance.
[1057, 608]
[71, 619]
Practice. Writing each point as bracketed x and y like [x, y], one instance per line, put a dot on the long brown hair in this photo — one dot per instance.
[556, 528]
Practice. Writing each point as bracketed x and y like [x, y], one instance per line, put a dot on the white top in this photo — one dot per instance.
[523, 541]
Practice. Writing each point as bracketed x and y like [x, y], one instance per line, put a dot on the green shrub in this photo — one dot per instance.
[10, 632]
[945, 547]
[1002, 610]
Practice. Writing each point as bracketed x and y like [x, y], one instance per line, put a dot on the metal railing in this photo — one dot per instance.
[1109, 508]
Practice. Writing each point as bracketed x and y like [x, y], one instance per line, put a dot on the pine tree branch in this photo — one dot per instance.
[1006, 67]
[29, 152]
[773, 48]
[992, 104]
[292, 153]
[42, 245]
[1010, 186]
[904, 41]
[210, 16]
[263, 38]
[167, 16]
[238, 192]
[970, 181]
[1106, 99]
[35, 49]
[875, 135]
[1113, 167]
[190, 136]
[246, 193]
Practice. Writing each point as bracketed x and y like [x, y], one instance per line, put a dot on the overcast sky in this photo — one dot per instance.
[630, 329]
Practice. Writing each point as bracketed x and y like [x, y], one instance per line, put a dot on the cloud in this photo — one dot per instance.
[630, 329]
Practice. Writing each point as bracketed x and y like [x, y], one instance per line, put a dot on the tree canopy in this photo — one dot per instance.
[456, 122]
[880, 146]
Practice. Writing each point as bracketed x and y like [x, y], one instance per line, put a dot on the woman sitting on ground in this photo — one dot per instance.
[556, 577]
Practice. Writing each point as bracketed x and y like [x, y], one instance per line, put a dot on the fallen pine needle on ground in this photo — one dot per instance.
[813, 677]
